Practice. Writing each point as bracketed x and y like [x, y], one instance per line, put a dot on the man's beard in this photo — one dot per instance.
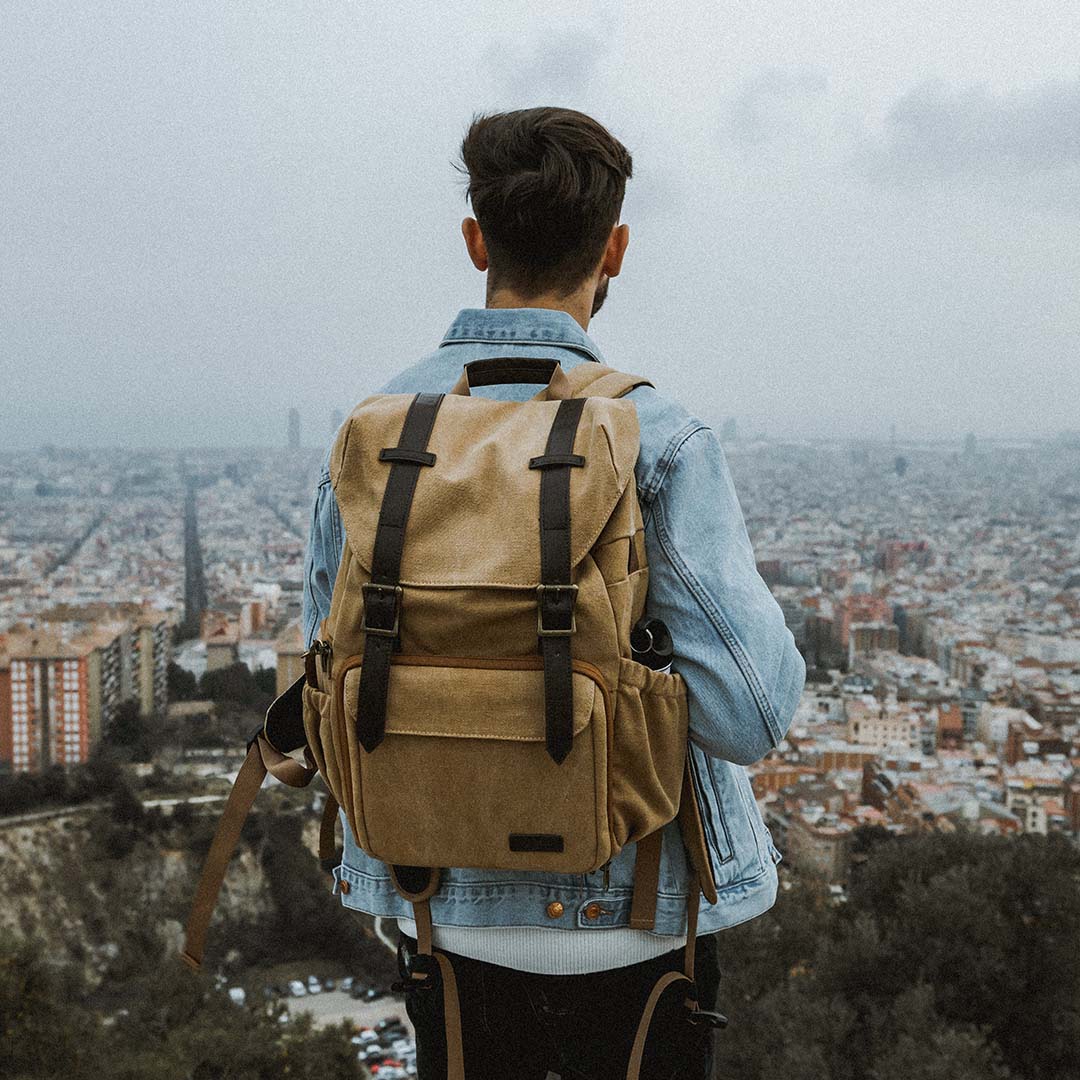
[601, 294]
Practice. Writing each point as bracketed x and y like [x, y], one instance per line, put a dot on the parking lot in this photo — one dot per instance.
[331, 1007]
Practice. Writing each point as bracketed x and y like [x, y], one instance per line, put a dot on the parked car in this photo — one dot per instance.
[329, 984]
[297, 988]
[237, 995]
[313, 985]
[346, 983]
[389, 1022]
[358, 989]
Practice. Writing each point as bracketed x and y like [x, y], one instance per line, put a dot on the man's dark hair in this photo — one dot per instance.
[546, 186]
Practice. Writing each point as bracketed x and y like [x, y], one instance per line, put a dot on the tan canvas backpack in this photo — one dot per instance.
[472, 699]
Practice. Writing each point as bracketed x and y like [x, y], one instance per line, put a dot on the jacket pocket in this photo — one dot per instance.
[712, 811]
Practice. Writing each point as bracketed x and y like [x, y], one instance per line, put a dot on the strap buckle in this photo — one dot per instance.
[556, 603]
[383, 602]
[708, 1018]
[423, 972]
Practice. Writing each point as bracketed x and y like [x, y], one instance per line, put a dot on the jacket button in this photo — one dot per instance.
[592, 911]
[554, 910]
[343, 885]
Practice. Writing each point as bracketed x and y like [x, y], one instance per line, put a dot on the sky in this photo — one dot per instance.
[843, 217]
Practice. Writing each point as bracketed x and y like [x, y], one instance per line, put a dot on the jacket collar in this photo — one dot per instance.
[532, 325]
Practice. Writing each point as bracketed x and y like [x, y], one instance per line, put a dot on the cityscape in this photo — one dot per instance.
[934, 590]
[150, 603]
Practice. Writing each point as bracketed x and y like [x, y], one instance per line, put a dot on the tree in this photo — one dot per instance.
[953, 959]
[175, 1026]
[234, 683]
[127, 727]
[182, 684]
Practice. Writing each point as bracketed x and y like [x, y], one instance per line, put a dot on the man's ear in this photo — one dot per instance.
[474, 242]
[615, 250]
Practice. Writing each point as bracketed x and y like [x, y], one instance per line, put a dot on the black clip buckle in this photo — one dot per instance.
[542, 594]
[710, 1019]
[423, 964]
[375, 597]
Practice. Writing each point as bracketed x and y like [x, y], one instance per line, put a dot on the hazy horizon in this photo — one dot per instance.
[837, 224]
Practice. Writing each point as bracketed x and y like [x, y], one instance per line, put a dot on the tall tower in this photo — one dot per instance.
[294, 429]
[194, 581]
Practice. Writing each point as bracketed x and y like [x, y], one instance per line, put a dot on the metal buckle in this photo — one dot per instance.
[381, 590]
[541, 591]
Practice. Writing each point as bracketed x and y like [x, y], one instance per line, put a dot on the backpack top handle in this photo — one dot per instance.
[515, 369]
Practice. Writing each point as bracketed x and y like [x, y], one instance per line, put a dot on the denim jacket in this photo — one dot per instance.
[743, 672]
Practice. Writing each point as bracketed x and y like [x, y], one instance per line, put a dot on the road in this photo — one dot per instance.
[197, 802]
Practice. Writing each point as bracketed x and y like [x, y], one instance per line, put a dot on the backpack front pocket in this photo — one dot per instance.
[462, 776]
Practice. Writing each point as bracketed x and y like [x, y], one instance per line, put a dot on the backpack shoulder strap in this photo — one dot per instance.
[596, 380]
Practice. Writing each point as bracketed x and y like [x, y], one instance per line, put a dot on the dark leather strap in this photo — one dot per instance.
[510, 369]
[546, 461]
[382, 595]
[329, 852]
[557, 595]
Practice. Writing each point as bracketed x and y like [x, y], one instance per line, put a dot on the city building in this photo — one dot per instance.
[290, 656]
[49, 706]
[63, 679]
[222, 638]
[882, 724]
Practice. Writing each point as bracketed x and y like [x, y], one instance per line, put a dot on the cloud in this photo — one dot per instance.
[937, 131]
[765, 104]
[555, 69]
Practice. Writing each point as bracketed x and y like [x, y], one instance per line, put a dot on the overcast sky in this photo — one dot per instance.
[843, 216]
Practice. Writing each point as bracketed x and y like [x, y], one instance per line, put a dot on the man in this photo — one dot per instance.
[550, 976]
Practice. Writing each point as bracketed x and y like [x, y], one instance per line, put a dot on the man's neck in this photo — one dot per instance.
[578, 305]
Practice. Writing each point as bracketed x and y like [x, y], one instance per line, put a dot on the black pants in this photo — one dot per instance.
[519, 1026]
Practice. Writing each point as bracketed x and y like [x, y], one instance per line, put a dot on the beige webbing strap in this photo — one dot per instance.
[422, 917]
[455, 1055]
[693, 902]
[646, 880]
[261, 759]
[633, 1070]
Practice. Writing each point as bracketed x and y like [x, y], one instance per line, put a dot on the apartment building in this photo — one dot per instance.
[62, 682]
